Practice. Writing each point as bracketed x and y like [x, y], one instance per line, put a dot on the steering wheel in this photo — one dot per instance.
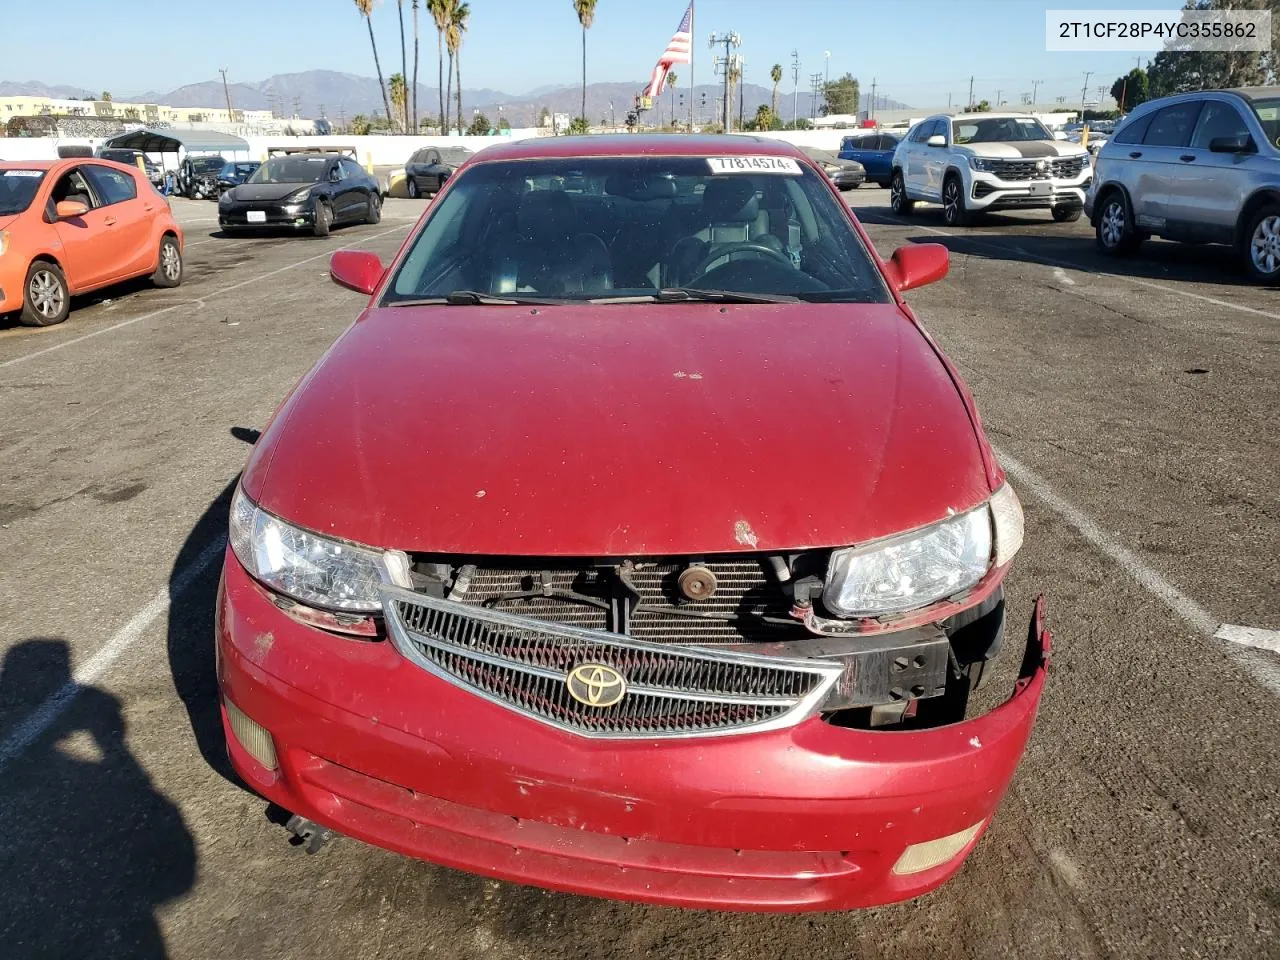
[743, 251]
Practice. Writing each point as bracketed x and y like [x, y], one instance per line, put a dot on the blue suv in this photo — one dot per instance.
[874, 151]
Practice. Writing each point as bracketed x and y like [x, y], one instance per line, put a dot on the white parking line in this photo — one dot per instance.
[1250, 637]
[1053, 262]
[163, 310]
[40, 719]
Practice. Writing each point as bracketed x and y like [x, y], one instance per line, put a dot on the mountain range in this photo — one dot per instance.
[340, 96]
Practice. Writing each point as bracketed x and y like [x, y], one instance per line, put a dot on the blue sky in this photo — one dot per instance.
[919, 51]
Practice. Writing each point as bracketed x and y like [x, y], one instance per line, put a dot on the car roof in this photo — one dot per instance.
[638, 145]
[1250, 93]
[38, 164]
[993, 116]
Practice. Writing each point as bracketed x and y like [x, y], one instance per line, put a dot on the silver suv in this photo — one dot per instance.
[1201, 167]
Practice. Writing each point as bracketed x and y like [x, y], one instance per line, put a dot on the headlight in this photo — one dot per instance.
[982, 164]
[4, 241]
[225, 198]
[913, 570]
[312, 569]
[299, 196]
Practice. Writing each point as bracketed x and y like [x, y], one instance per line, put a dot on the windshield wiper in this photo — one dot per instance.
[691, 295]
[471, 298]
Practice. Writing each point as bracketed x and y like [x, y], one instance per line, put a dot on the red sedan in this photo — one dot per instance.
[634, 541]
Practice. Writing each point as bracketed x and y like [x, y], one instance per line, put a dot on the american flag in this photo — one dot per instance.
[679, 50]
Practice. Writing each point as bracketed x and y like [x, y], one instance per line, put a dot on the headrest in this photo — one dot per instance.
[546, 216]
[730, 200]
[640, 188]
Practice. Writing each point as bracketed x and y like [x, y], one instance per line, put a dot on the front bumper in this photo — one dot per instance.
[811, 817]
[236, 214]
[987, 191]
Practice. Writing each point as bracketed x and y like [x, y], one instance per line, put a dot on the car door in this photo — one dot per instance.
[88, 253]
[936, 158]
[913, 169]
[880, 157]
[1207, 190]
[129, 212]
[359, 185]
[339, 191]
[1156, 161]
[435, 170]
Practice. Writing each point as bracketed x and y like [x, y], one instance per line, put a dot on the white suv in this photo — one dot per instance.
[988, 161]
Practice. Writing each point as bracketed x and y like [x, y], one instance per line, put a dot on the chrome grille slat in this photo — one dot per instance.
[1028, 169]
[672, 691]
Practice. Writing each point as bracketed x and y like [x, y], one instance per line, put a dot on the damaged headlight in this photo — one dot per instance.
[312, 569]
[912, 570]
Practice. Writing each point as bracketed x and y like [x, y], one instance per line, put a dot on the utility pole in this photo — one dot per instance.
[1035, 87]
[826, 56]
[970, 106]
[998, 92]
[742, 82]
[815, 82]
[297, 106]
[729, 39]
[872, 114]
[227, 91]
[1084, 93]
[342, 119]
[795, 86]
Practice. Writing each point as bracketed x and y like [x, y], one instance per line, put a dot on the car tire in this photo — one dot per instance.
[954, 213]
[323, 221]
[169, 266]
[46, 299]
[899, 202]
[1114, 229]
[374, 212]
[1066, 213]
[412, 189]
[1262, 245]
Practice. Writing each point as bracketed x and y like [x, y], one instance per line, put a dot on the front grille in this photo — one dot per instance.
[981, 188]
[1063, 167]
[524, 665]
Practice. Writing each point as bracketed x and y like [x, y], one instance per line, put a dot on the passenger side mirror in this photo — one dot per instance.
[357, 270]
[937, 140]
[917, 264]
[70, 209]
[1231, 144]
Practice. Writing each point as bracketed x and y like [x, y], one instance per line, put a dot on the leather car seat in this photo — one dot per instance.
[549, 253]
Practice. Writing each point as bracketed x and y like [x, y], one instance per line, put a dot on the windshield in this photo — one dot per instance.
[999, 130]
[454, 155]
[619, 227]
[207, 164]
[1268, 114]
[307, 169]
[119, 156]
[17, 190]
[232, 170]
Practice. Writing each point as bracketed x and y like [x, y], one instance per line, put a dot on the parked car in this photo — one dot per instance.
[234, 173]
[155, 174]
[71, 226]
[845, 174]
[198, 176]
[303, 191]
[525, 576]
[979, 162]
[874, 151]
[1202, 168]
[429, 168]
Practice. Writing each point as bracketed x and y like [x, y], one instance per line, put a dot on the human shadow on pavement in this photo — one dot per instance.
[89, 848]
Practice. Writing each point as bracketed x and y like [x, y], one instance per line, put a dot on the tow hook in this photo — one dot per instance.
[309, 833]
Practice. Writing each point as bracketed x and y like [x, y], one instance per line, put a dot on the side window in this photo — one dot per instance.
[922, 132]
[433, 156]
[1135, 130]
[351, 169]
[336, 172]
[1218, 119]
[72, 186]
[848, 144]
[1172, 126]
[112, 186]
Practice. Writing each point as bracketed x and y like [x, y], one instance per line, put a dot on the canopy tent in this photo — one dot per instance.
[175, 141]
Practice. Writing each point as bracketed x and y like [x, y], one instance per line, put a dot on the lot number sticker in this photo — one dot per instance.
[783, 165]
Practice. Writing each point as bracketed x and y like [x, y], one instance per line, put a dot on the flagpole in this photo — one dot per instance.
[693, 32]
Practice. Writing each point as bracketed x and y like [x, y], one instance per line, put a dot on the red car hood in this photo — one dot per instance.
[621, 430]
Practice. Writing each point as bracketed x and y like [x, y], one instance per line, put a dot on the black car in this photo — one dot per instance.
[234, 173]
[305, 191]
[845, 174]
[198, 176]
[124, 155]
[429, 168]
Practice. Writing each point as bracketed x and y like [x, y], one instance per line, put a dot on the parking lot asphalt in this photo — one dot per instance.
[1134, 405]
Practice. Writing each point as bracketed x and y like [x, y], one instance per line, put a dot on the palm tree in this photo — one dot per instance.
[414, 91]
[366, 10]
[459, 15]
[776, 76]
[586, 10]
[398, 93]
[672, 77]
[735, 74]
[404, 68]
[439, 10]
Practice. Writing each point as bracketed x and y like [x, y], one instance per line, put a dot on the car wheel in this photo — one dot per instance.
[953, 212]
[324, 219]
[1114, 230]
[899, 202]
[374, 213]
[412, 189]
[46, 299]
[1262, 255]
[1066, 213]
[169, 268]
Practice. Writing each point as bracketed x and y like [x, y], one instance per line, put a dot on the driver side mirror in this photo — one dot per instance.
[917, 264]
[70, 209]
[937, 140]
[334, 176]
[1231, 144]
[357, 270]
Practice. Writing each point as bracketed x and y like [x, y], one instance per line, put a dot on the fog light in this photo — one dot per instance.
[252, 736]
[934, 853]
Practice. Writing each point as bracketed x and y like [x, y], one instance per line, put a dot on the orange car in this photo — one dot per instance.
[71, 226]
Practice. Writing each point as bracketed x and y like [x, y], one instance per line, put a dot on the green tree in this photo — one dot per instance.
[106, 96]
[672, 77]
[544, 117]
[579, 126]
[366, 10]
[459, 17]
[360, 125]
[983, 106]
[764, 119]
[404, 73]
[1131, 89]
[398, 95]
[439, 10]
[775, 74]
[840, 96]
[586, 11]
[1176, 69]
[479, 125]
[504, 123]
